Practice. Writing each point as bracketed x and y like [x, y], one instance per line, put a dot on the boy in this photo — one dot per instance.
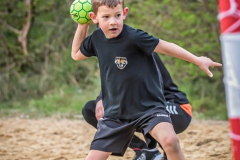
[177, 104]
[130, 81]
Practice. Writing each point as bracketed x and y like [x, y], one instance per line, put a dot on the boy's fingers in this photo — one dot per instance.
[216, 64]
[209, 73]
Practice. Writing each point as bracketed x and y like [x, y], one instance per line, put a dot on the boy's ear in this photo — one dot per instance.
[125, 12]
[93, 17]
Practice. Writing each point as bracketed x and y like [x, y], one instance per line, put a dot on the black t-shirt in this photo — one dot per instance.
[171, 91]
[130, 78]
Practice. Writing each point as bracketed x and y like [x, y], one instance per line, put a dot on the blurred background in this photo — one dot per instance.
[39, 78]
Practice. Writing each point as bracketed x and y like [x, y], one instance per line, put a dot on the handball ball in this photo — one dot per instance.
[79, 11]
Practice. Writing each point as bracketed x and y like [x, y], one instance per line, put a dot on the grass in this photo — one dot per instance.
[63, 103]
[67, 102]
[210, 105]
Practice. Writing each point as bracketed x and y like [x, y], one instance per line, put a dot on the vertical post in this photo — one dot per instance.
[229, 16]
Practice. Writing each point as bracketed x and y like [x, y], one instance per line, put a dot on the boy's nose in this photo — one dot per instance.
[113, 21]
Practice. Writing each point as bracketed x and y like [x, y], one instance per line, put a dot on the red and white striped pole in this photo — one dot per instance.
[229, 16]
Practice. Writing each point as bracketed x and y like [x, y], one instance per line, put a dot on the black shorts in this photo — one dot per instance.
[180, 118]
[114, 135]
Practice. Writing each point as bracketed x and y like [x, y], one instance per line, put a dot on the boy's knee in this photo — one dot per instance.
[95, 154]
[170, 142]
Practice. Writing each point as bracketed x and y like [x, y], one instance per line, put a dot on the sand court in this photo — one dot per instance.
[64, 139]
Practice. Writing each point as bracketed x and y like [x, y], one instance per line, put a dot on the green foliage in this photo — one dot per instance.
[49, 65]
[66, 102]
[45, 71]
[192, 25]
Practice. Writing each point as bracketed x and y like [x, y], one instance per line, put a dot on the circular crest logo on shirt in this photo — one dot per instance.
[121, 62]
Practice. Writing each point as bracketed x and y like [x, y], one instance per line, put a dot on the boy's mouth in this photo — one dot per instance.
[113, 29]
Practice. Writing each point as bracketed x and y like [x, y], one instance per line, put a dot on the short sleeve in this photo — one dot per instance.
[146, 42]
[87, 47]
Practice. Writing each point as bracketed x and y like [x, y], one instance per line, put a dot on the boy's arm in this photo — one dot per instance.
[79, 36]
[174, 50]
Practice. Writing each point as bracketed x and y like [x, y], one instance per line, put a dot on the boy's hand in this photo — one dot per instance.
[99, 110]
[88, 24]
[204, 63]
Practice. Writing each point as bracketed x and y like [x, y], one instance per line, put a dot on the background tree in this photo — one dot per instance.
[36, 36]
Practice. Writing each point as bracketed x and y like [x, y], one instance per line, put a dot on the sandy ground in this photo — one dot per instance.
[52, 139]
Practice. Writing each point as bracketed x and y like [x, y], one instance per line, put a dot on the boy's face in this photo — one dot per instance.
[110, 20]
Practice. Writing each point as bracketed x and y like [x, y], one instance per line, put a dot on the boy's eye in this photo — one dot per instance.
[118, 15]
[105, 16]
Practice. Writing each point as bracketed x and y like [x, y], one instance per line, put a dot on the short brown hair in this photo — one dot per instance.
[109, 3]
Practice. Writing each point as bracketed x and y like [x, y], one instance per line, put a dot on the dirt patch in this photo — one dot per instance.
[51, 139]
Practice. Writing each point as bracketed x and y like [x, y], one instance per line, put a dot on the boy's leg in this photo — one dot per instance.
[180, 120]
[137, 144]
[164, 133]
[179, 117]
[113, 135]
[88, 112]
[97, 155]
